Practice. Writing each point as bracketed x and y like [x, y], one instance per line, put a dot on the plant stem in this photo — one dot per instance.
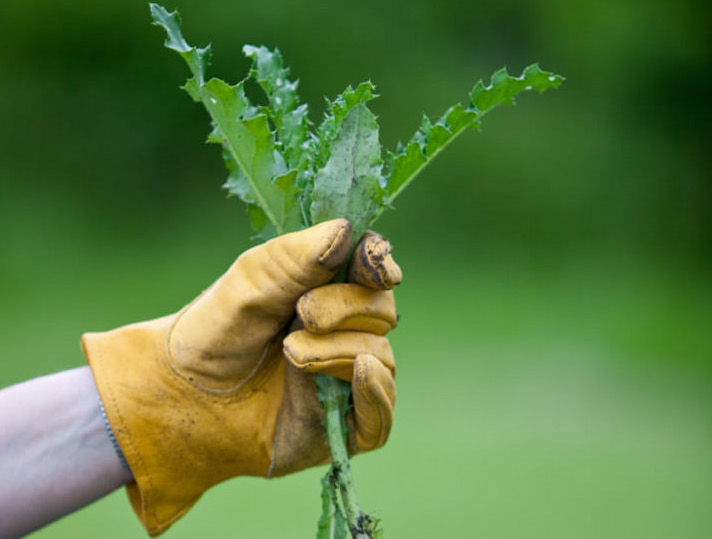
[334, 396]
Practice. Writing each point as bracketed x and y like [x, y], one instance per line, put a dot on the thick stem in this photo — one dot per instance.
[334, 395]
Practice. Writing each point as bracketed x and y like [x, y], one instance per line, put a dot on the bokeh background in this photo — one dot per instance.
[555, 345]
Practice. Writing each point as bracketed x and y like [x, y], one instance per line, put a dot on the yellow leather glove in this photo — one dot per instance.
[222, 388]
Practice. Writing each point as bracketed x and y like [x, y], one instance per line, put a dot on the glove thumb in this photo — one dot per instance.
[218, 340]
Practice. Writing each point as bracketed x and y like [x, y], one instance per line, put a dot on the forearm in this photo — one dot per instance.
[55, 453]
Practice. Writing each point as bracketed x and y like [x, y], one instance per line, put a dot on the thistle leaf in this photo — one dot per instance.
[503, 88]
[338, 109]
[196, 58]
[248, 143]
[284, 110]
[349, 184]
[431, 139]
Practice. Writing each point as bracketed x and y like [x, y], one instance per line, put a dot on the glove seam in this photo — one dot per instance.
[191, 381]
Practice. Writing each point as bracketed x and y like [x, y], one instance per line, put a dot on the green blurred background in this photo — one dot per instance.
[555, 342]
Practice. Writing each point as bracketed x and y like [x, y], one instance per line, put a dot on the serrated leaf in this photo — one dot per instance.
[503, 88]
[196, 58]
[269, 71]
[431, 139]
[289, 117]
[457, 118]
[250, 144]
[404, 166]
[320, 143]
[349, 183]
[360, 95]
[437, 137]
[243, 132]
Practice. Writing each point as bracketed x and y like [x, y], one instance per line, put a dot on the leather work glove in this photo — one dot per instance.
[225, 387]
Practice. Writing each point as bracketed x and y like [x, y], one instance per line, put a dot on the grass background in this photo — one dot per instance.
[555, 339]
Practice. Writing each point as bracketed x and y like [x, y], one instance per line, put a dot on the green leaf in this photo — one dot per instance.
[457, 118]
[250, 144]
[503, 88]
[320, 143]
[269, 71]
[431, 139]
[289, 117]
[196, 58]
[245, 135]
[349, 184]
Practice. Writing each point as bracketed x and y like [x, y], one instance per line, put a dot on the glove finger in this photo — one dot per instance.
[334, 353]
[372, 264]
[347, 306]
[280, 270]
[374, 395]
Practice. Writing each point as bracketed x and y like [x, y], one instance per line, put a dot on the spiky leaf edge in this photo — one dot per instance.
[431, 138]
[250, 152]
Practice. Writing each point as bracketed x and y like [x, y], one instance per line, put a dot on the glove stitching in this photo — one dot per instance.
[190, 380]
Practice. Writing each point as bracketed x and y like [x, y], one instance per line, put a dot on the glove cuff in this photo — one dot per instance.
[177, 439]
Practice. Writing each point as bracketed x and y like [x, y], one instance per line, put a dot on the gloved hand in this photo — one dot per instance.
[225, 387]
